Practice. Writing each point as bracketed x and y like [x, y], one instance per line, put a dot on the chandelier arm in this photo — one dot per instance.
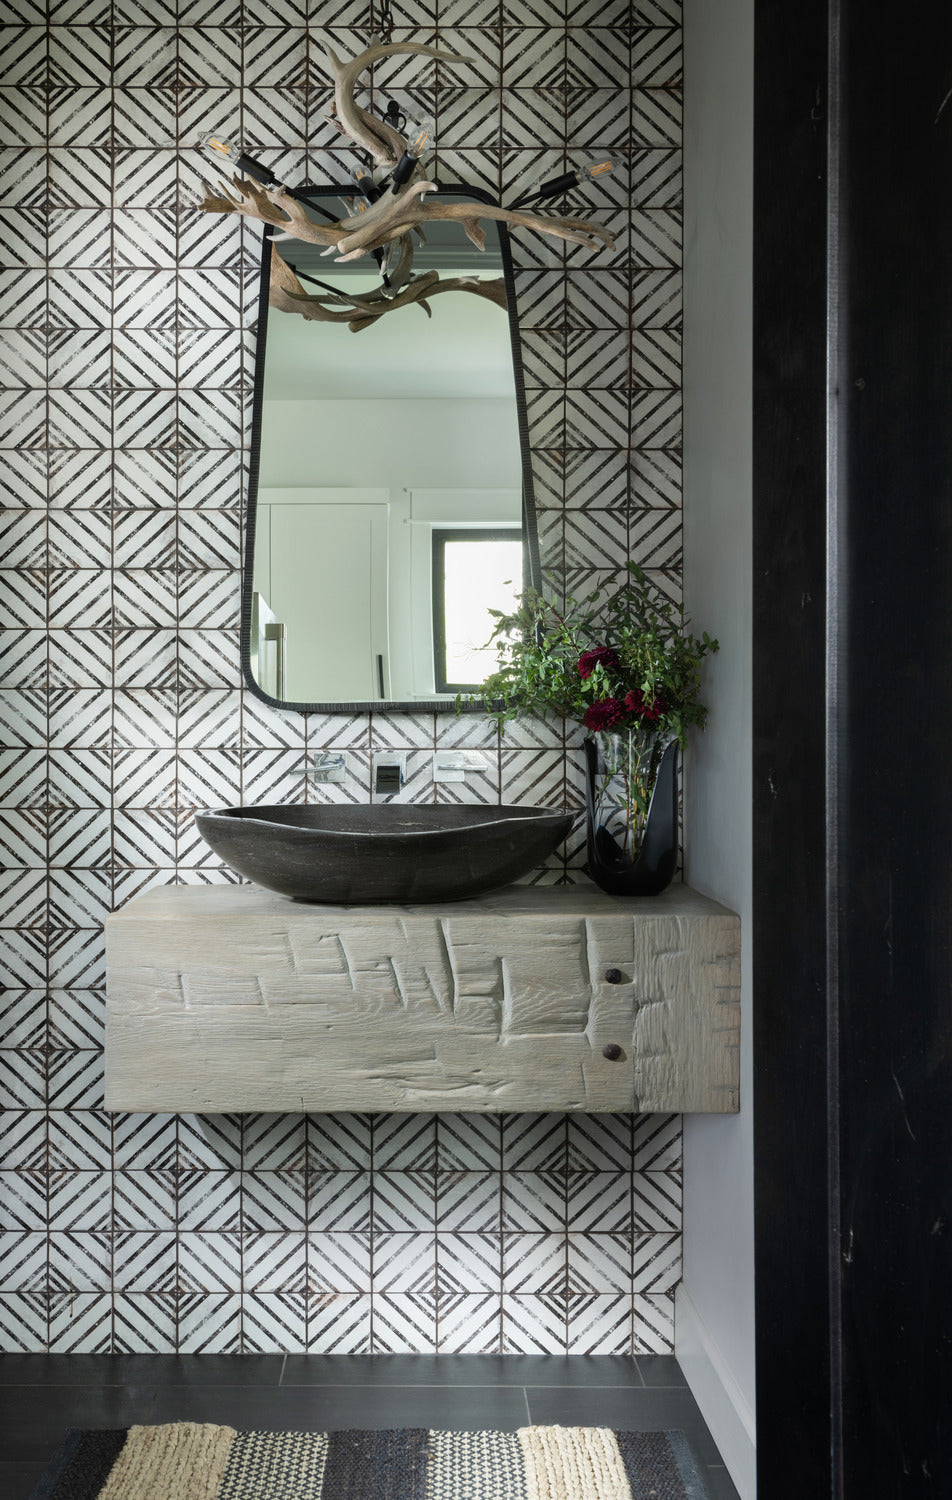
[270, 206]
[370, 233]
[366, 308]
[394, 217]
[385, 144]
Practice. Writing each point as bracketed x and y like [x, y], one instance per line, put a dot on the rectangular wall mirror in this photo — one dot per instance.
[390, 498]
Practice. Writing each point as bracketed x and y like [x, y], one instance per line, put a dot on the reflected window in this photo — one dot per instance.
[474, 571]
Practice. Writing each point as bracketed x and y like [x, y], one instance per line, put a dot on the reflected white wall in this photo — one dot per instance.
[397, 443]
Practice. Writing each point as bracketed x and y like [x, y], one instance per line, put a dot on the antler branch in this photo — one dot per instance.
[392, 217]
[385, 144]
[372, 229]
[393, 214]
[270, 206]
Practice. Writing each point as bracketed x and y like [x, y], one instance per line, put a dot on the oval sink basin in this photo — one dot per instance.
[359, 853]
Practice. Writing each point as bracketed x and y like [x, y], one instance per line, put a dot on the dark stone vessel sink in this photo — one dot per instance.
[360, 853]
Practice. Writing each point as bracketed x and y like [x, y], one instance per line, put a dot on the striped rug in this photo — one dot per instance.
[198, 1461]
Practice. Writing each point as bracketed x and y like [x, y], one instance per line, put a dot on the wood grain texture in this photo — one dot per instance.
[230, 998]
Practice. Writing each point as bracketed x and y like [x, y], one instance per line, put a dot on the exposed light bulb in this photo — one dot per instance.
[247, 164]
[355, 206]
[366, 186]
[420, 138]
[393, 277]
[209, 141]
[597, 167]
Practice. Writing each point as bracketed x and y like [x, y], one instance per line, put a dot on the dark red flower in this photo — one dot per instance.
[589, 660]
[604, 714]
[635, 703]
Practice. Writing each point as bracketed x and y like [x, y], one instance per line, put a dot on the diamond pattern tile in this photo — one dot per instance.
[653, 1324]
[656, 1201]
[404, 1323]
[122, 711]
[339, 1263]
[209, 1324]
[533, 1325]
[469, 1323]
[80, 1142]
[81, 1322]
[270, 1262]
[657, 116]
[338, 1323]
[144, 1323]
[23, 1204]
[600, 1323]
[274, 1323]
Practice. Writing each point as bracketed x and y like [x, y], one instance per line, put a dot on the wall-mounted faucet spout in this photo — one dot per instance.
[388, 777]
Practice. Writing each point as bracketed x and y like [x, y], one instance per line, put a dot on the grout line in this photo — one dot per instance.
[438, 1385]
[218, 1385]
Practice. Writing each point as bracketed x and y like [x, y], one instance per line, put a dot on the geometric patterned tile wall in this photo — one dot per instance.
[123, 427]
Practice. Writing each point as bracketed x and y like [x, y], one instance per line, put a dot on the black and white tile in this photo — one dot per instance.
[124, 419]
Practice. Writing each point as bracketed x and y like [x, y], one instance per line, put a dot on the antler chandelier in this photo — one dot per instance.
[388, 208]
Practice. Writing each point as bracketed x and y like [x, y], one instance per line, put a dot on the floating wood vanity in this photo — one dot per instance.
[229, 998]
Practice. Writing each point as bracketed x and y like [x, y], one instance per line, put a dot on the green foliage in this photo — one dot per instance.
[653, 683]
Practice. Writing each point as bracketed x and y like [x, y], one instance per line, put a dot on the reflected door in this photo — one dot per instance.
[327, 583]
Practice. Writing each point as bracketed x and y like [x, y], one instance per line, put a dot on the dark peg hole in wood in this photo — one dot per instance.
[613, 1052]
[614, 976]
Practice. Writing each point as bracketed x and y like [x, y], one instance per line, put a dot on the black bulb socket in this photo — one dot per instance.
[557, 185]
[402, 172]
[367, 188]
[257, 170]
[554, 188]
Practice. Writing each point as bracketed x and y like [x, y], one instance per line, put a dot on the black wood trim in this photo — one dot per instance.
[789, 758]
[893, 379]
[852, 938]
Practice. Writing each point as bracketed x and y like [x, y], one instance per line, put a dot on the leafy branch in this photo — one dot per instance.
[617, 661]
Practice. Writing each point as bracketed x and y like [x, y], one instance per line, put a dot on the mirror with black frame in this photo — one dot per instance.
[390, 501]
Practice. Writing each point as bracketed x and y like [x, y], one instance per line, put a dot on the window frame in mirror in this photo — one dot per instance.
[531, 572]
[439, 537]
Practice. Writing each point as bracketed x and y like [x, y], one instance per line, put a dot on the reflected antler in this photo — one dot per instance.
[360, 309]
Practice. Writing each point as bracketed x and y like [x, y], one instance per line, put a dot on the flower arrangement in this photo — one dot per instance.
[616, 662]
[627, 667]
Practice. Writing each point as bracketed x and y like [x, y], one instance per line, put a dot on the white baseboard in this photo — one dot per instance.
[724, 1407]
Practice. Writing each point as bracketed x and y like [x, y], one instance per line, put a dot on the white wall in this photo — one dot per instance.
[715, 1308]
[395, 443]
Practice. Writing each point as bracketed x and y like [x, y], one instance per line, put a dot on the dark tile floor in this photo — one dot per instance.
[41, 1395]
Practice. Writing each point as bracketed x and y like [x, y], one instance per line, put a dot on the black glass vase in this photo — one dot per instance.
[631, 790]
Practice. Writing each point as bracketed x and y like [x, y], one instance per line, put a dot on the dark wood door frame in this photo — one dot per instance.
[852, 939]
